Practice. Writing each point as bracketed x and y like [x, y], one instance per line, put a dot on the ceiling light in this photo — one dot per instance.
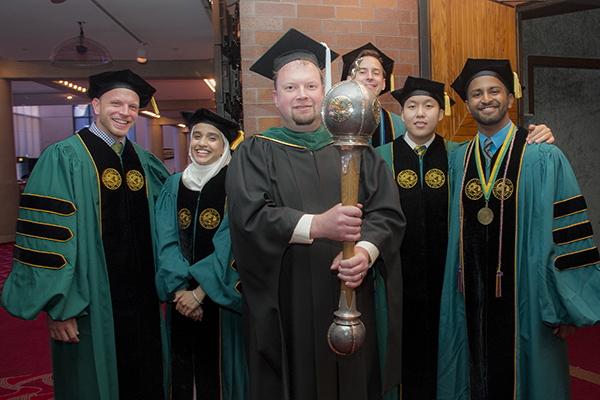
[181, 125]
[69, 97]
[142, 54]
[211, 84]
[71, 85]
[80, 52]
[149, 113]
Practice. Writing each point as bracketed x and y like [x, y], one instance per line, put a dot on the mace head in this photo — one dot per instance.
[345, 337]
[351, 112]
[347, 332]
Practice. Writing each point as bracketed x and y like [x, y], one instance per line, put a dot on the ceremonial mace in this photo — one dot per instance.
[350, 113]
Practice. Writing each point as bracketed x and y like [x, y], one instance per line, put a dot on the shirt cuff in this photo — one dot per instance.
[301, 233]
[371, 249]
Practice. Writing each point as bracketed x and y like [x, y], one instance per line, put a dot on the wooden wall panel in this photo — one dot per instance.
[461, 29]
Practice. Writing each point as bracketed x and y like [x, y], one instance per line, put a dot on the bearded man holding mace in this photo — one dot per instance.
[287, 225]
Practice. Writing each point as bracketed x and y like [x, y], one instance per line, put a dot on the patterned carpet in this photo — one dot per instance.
[25, 367]
[34, 387]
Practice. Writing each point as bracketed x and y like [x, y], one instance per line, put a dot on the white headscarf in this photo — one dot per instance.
[195, 176]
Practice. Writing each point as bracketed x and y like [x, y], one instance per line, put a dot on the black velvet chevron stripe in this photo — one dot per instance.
[38, 258]
[238, 287]
[579, 259]
[570, 206]
[43, 231]
[573, 233]
[47, 204]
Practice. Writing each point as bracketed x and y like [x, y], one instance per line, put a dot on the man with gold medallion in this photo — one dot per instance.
[522, 268]
[419, 163]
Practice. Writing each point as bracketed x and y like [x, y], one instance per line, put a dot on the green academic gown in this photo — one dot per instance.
[218, 277]
[390, 128]
[60, 264]
[552, 278]
[290, 293]
[423, 187]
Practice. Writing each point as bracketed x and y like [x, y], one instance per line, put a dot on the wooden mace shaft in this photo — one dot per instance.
[349, 198]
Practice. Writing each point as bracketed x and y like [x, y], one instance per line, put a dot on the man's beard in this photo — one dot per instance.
[303, 120]
[490, 120]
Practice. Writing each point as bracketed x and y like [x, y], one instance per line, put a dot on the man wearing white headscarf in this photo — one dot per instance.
[197, 273]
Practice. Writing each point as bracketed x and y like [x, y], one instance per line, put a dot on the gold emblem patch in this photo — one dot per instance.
[509, 188]
[209, 218]
[473, 190]
[341, 109]
[407, 178]
[111, 178]
[435, 178]
[135, 180]
[184, 218]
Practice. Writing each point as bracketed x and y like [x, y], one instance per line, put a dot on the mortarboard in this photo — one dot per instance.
[105, 81]
[476, 67]
[292, 46]
[228, 128]
[386, 62]
[420, 86]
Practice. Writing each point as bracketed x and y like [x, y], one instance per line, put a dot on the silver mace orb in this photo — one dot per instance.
[350, 113]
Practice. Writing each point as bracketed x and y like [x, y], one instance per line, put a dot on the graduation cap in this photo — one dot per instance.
[228, 128]
[476, 67]
[370, 50]
[420, 86]
[102, 83]
[292, 46]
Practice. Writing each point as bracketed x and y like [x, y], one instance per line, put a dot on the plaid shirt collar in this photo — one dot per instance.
[106, 138]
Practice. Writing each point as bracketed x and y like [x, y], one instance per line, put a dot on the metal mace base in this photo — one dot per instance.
[347, 332]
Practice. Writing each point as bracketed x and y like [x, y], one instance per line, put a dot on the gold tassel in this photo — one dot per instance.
[447, 110]
[241, 136]
[391, 82]
[517, 88]
[155, 107]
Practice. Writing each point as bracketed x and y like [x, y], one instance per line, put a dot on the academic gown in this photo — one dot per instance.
[390, 128]
[554, 270]
[290, 293]
[423, 188]
[65, 272]
[219, 279]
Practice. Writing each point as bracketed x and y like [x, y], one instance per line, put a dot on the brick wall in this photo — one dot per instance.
[391, 25]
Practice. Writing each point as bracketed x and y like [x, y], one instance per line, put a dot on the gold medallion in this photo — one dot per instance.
[435, 178]
[509, 188]
[473, 189]
[209, 218]
[340, 109]
[485, 216]
[135, 180]
[184, 218]
[111, 178]
[407, 178]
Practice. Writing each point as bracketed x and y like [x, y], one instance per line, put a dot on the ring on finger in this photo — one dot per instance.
[361, 275]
